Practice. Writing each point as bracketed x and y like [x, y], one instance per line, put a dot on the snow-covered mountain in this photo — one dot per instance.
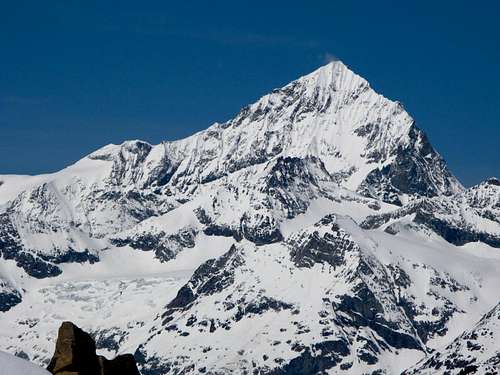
[317, 231]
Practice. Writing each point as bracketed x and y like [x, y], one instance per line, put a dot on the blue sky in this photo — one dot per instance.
[77, 75]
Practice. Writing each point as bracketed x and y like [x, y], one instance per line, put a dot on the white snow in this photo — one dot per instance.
[11, 365]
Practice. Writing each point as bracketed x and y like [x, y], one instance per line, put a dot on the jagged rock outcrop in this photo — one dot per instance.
[75, 354]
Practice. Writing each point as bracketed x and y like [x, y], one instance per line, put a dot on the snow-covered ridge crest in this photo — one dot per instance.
[331, 113]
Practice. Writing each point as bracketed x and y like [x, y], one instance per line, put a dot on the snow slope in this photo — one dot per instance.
[11, 365]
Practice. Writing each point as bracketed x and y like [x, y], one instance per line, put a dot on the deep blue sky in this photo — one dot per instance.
[77, 75]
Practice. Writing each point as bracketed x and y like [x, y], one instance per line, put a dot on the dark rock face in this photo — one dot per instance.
[75, 354]
[34, 264]
[409, 173]
[364, 310]
[493, 181]
[292, 174]
[109, 339]
[263, 230]
[8, 298]
[211, 277]
[9, 295]
[261, 305]
[456, 235]
[259, 228]
[165, 246]
[121, 365]
[72, 256]
[11, 248]
[329, 248]
[151, 365]
[215, 229]
[323, 356]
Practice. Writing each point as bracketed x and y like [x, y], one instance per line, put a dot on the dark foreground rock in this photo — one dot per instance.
[75, 354]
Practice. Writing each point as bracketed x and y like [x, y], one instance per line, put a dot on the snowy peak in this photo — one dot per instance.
[491, 184]
[333, 77]
[133, 163]
[484, 195]
[367, 142]
[493, 181]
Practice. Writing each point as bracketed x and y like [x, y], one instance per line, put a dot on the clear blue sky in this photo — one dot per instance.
[75, 75]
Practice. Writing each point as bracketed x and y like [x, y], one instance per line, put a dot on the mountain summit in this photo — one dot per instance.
[318, 231]
[366, 142]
